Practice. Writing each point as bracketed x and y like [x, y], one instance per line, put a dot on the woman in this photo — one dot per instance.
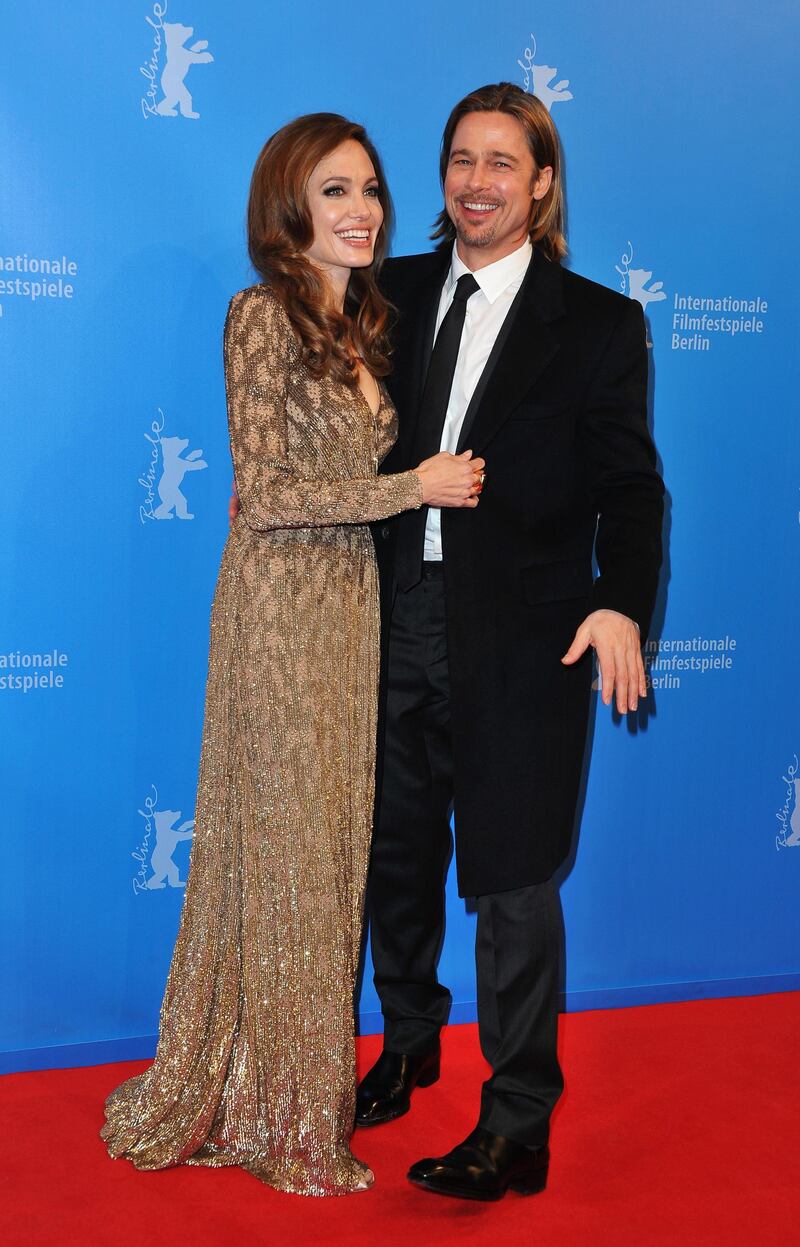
[255, 1063]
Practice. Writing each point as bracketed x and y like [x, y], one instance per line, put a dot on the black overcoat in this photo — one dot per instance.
[560, 417]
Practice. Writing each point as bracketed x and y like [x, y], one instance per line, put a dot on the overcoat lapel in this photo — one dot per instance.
[421, 345]
[524, 348]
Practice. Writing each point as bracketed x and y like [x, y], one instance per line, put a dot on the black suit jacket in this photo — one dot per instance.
[560, 417]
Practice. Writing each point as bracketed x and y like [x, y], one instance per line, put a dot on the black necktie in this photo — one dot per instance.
[433, 410]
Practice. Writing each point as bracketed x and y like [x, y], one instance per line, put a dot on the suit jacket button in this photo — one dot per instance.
[386, 531]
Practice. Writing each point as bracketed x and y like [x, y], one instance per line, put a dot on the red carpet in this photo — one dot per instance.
[680, 1125]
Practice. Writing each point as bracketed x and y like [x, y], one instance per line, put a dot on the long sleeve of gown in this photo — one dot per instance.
[274, 492]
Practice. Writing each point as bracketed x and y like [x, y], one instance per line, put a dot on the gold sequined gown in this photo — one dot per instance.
[255, 1062]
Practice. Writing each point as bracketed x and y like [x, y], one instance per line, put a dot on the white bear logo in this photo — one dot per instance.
[542, 76]
[637, 287]
[179, 61]
[168, 836]
[539, 77]
[175, 468]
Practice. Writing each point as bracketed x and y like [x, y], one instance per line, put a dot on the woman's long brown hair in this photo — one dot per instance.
[280, 229]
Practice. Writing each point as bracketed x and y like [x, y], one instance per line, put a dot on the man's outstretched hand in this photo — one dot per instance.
[615, 640]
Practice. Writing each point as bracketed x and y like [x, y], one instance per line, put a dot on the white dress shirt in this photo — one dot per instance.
[486, 311]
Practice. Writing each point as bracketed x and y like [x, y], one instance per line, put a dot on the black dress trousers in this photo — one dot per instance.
[518, 932]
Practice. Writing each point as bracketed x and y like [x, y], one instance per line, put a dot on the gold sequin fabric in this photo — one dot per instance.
[255, 1062]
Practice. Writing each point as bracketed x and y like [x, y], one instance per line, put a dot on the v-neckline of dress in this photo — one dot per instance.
[366, 401]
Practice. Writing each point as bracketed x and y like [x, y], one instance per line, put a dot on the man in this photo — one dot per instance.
[491, 616]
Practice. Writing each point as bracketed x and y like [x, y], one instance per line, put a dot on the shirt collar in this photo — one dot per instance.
[495, 278]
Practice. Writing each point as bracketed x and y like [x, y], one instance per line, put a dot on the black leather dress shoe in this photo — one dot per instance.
[484, 1166]
[385, 1092]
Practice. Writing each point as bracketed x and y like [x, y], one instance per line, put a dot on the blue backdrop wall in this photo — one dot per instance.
[121, 241]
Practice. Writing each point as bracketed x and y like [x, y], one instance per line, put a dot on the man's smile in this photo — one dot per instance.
[478, 209]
